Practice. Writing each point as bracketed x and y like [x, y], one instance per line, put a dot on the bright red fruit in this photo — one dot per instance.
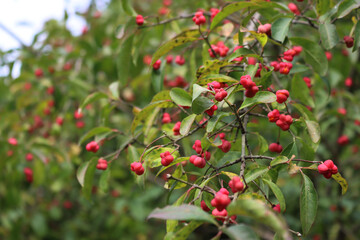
[29, 157]
[225, 146]
[236, 184]
[78, 114]
[137, 167]
[221, 215]
[139, 20]
[180, 60]
[221, 199]
[197, 146]
[166, 118]
[238, 59]
[176, 128]
[327, 169]
[342, 111]
[276, 208]
[157, 64]
[59, 121]
[219, 49]
[204, 206]
[214, 12]
[282, 95]
[266, 28]
[199, 18]
[343, 140]
[12, 141]
[275, 147]
[284, 122]
[274, 115]
[211, 110]
[292, 7]
[39, 72]
[92, 147]
[307, 81]
[28, 174]
[348, 82]
[220, 94]
[102, 164]
[166, 158]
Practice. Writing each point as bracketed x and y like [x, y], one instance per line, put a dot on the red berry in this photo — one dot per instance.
[29, 157]
[139, 20]
[199, 18]
[80, 124]
[214, 12]
[225, 146]
[157, 64]
[220, 94]
[327, 168]
[342, 111]
[236, 184]
[276, 65]
[204, 206]
[28, 174]
[328, 55]
[180, 60]
[274, 115]
[307, 81]
[169, 59]
[176, 128]
[39, 72]
[92, 147]
[282, 95]
[284, 122]
[12, 141]
[166, 158]
[349, 41]
[137, 167]
[343, 140]
[293, 8]
[297, 49]
[102, 164]
[59, 121]
[276, 208]
[348, 82]
[221, 215]
[78, 114]
[275, 147]
[199, 162]
[166, 118]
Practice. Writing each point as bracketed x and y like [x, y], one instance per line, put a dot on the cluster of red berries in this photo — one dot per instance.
[282, 95]
[199, 18]
[327, 169]
[28, 174]
[226, 145]
[166, 118]
[266, 28]
[214, 85]
[249, 85]
[92, 147]
[199, 161]
[349, 41]
[293, 8]
[166, 158]
[291, 53]
[236, 184]
[275, 147]
[220, 202]
[78, 116]
[180, 60]
[176, 128]
[139, 20]
[220, 94]
[282, 67]
[219, 49]
[281, 120]
[137, 167]
[102, 164]
[29, 157]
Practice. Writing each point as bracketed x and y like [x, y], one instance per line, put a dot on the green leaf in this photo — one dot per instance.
[211, 67]
[198, 90]
[211, 125]
[255, 173]
[346, 7]
[261, 37]
[176, 161]
[260, 212]
[216, 77]
[308, 115]
[39, 172]
[314, 55]
[38, 224]
[186, 124]
[201, 104]
[299, 90]
[341, 181]
[322, 6]
[263, 144]
[144, 113]
[180, 97]
[104, 181]
[356, 36]
[174, 184]
[168, 46]
[260, 97]
[128, 8]
[124, 60]
[171, 224]
[93, 132]
[184, 232]
[80, 174]
[88, 178]
[277, 192]
[278, 160]
[228, 10]
[161, 96]
[240, 232]
[280, 28]
[92, 98]
[313, 130]
[183, 213]
[308, 204]
[243, 52]
[328, 35]
[157, 79]
[251, 70]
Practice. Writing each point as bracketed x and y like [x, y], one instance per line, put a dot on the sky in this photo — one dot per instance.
[25, 18]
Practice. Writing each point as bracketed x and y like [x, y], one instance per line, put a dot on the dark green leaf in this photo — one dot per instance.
[308, 204]
[255, 173]
[346, 7]
[328, 35]
[280, 28]
[201, 104]
[186, 124]
[260, 97]
[92, 98]
[88, 178]
[278, 194]
[93, 132]
[180, 97]
[240, 232]
[279, 160]
[299, 90]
